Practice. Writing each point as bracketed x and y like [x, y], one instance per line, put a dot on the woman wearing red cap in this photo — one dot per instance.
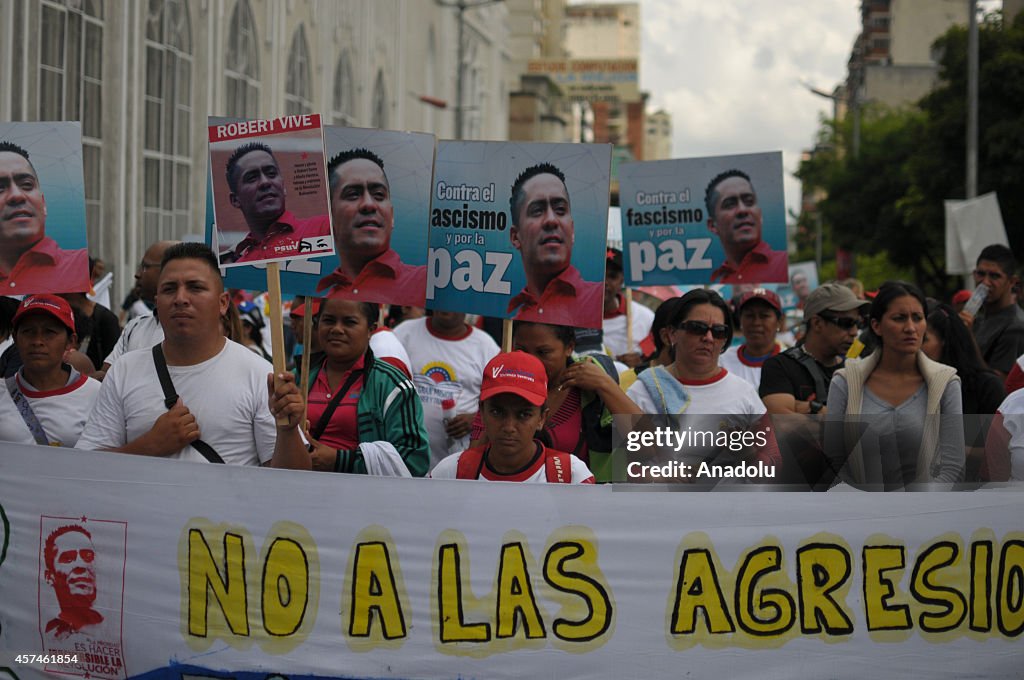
[52, 398]
[513, 398]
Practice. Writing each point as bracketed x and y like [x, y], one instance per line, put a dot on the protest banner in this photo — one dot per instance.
[970, 226]
[545, 263]
[43, 235]
[250, 573]
[270, 197]
[408, 165]
[719, 219]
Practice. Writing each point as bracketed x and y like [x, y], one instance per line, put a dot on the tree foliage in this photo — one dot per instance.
[890, 198]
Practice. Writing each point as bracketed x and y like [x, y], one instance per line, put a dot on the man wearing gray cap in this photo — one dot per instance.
[796, 381]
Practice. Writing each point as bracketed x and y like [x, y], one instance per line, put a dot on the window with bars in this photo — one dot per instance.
[71, 85]
[343, 110]
[298, 92]
[243, 65]
[379, 115]
[168, 113]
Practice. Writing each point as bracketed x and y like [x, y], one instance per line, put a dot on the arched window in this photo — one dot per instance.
[71, 85]
[243, 64]
[379, 115]
[298, 93]
[343, 110]
[168, 129]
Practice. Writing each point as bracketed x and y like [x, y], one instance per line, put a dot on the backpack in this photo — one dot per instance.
[557, 465]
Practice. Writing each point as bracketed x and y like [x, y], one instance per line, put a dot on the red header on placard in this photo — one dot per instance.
[259, 128]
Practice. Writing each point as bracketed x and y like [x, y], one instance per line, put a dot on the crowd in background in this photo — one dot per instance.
[883, 389]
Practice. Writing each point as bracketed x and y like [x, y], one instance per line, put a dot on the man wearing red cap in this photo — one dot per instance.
[53, 399]
[760, 315]
[31, 261]
[512, 402]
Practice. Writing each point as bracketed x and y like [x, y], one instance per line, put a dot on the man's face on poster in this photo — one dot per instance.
[260, 191]
[801, 286]
[361, 208]
[22, 205]
[543, 232]
[73, 575]
[737, 215]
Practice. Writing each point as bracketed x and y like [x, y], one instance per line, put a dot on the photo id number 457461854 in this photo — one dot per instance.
[46, 659]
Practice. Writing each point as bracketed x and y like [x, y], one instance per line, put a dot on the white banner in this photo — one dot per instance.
[970, 226]
[124, 567]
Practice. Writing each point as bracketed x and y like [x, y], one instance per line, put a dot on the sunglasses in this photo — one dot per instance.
[719, 331]
[844, 322]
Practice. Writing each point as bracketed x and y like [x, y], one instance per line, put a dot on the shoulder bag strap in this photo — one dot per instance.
[558, 467]
[471, 462]
[808, 362]
[27, 414]
[171, 398]
[332, 405]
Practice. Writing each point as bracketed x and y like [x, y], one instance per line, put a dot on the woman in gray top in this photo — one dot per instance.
[894, 419]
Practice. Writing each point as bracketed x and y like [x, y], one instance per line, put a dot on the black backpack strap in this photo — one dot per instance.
[332, 405]
[27, 414]
[171, 398]
[807, 361]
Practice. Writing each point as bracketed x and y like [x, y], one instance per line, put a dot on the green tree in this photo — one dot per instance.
[890, 198]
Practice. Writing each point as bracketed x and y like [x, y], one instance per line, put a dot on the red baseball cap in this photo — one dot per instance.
[516, 373]
[300, 310]
[55, 306]
[762, 294]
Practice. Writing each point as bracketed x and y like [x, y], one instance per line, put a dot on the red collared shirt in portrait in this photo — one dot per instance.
[567, 300]
[45, 268]
[283, 239]
[759, 265]
[383, 279]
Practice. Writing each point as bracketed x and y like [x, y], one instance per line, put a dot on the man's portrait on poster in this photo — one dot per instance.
[31, 261]
[70, 559]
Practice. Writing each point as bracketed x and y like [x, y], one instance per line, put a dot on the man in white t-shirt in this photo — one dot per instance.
[222, 386]
[615, 315]
[143, 331]
[447, 361]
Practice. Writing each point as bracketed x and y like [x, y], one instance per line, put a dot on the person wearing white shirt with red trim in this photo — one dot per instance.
[760, 317]
[512, 399]
[52, 398]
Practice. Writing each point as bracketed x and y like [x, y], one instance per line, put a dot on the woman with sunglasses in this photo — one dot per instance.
[695, 384]
[894, 419]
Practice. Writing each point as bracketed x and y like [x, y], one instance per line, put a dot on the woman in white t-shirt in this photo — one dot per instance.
[694, 384]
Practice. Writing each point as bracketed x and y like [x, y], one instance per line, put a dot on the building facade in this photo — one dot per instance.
[892, 61]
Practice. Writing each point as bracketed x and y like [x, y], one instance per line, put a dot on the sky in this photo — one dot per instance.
[729, 72]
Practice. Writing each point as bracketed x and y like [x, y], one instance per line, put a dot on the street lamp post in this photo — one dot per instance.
[460, 68]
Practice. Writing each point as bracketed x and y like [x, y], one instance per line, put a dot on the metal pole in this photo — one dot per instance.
[459, 73]
[817, 238]
[972, 99]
